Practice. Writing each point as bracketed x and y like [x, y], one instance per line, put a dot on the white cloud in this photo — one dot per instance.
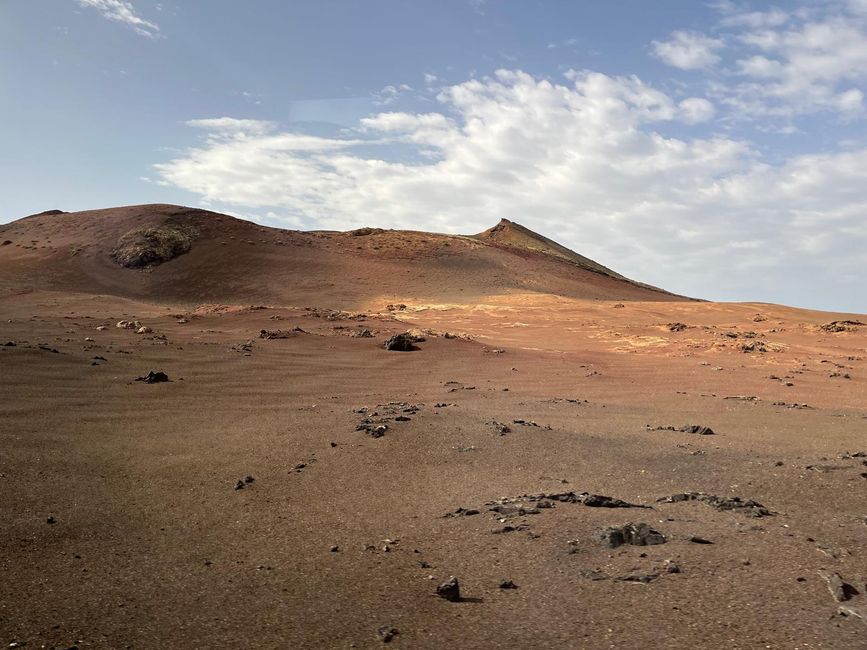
[123, 11]
[688, 50]
[232, 125]
[695, 110]
[796, 64]
[583, 161]
[390, 94]
[755, 19]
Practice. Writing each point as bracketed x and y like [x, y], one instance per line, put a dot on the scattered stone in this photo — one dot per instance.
[387, 633]
[334, 548]
[635, 534]
[450, 590]
[51, 520]
[363, 232]
[400, 343]
[601, 501]
[396, 307]
[153, 377]
[417, 335]
[514, 511]
[246, 347]
[794, 405]
[593, 575]
[824, 469]
[671, 566]
[642, 578]
[280, 334]
[501, 428]
[747, 507]
[507, 584]
[521, 504]
[698, 429]
[240, 485]
[375, 430]
[462, 512]
[375, 421]
[144, 329]
[9, 344]
[752, 346]
[695, 539]
[841, 325]
[508, 529]
[677, 327]
[850, 610]
[840, 591]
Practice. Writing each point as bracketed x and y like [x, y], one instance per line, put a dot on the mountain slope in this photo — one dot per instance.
[212, 257]
[509, 233]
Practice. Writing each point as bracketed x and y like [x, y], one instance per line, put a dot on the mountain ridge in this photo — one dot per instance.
[216, 257]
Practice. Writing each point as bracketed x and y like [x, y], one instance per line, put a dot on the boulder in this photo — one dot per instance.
[401, 343]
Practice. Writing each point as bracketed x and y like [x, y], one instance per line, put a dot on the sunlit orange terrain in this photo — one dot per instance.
[599, 463]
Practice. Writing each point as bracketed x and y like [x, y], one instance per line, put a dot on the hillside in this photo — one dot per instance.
[212, 257]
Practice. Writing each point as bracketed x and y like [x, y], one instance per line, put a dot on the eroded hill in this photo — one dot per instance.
[186, 255]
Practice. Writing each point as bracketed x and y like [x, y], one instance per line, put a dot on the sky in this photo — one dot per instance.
[715, 149]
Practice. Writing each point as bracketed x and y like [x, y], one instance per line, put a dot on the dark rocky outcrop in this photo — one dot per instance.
[144, 247]
[635, 534]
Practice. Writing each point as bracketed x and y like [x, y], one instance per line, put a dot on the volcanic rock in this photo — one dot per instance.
[153, 377]
[635, 534]
[450, 590]
[150, 246]
[401, 343]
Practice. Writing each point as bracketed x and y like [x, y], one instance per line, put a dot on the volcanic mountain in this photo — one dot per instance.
[186, 255]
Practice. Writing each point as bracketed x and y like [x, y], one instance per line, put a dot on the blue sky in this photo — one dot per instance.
[716, 149]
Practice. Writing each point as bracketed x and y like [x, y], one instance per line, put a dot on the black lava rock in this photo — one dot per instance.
[153, 377]
[401, 343]
[450, 590]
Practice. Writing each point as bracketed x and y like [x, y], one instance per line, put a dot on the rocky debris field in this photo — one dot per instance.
[293, 479]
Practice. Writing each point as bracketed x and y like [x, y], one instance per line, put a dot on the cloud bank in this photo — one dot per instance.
[590, 160]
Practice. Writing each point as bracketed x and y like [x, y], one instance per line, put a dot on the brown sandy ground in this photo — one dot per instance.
[151, 545]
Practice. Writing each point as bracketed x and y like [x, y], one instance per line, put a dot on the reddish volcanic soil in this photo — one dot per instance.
[541, 373]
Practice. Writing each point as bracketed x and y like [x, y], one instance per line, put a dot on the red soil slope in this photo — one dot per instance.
[231, 260]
